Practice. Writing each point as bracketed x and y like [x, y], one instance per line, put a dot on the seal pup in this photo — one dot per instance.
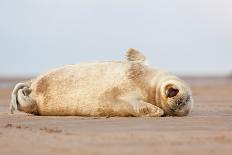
[109, 88]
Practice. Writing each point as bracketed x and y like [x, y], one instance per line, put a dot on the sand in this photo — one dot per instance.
[207, 130]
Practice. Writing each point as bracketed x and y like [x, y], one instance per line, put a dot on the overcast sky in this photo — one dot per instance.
[182, 36]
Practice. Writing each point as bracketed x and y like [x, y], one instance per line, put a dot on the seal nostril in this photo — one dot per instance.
[178, 103]
[182, 102]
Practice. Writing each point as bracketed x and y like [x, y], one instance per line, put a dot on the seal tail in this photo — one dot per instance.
[20, 99]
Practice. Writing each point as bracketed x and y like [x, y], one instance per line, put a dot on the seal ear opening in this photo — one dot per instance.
[171, 91]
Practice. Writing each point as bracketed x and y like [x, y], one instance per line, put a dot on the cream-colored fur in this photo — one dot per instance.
[126, 88]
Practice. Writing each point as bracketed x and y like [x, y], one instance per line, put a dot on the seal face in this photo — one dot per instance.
[176, 98]
[110, 88]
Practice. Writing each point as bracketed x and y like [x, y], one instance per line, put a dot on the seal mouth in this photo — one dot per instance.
[178, 108]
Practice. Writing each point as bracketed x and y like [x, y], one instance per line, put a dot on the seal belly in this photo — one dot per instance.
[78, 89]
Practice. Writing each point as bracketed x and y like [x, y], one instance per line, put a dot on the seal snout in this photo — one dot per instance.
[181, 102]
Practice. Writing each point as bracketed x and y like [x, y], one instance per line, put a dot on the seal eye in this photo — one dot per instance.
[171, 92]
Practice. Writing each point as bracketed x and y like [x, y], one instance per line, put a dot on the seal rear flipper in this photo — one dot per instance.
[20, 99]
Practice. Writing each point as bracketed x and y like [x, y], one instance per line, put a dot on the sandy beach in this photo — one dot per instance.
[207, 130]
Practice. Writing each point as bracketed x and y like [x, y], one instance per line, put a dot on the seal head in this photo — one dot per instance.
[172, 94]
[176, 98]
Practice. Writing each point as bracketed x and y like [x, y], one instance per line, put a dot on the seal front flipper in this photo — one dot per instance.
[147, 109]
[134, 55]
[140, 107]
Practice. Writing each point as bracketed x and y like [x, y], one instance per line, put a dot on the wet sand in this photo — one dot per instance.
[207, 130]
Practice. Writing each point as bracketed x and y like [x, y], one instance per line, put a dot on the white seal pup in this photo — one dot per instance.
[111, 88]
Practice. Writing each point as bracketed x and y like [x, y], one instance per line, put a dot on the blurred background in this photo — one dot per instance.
[191, 37]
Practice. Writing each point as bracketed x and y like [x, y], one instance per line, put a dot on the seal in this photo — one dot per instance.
[108, 88]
